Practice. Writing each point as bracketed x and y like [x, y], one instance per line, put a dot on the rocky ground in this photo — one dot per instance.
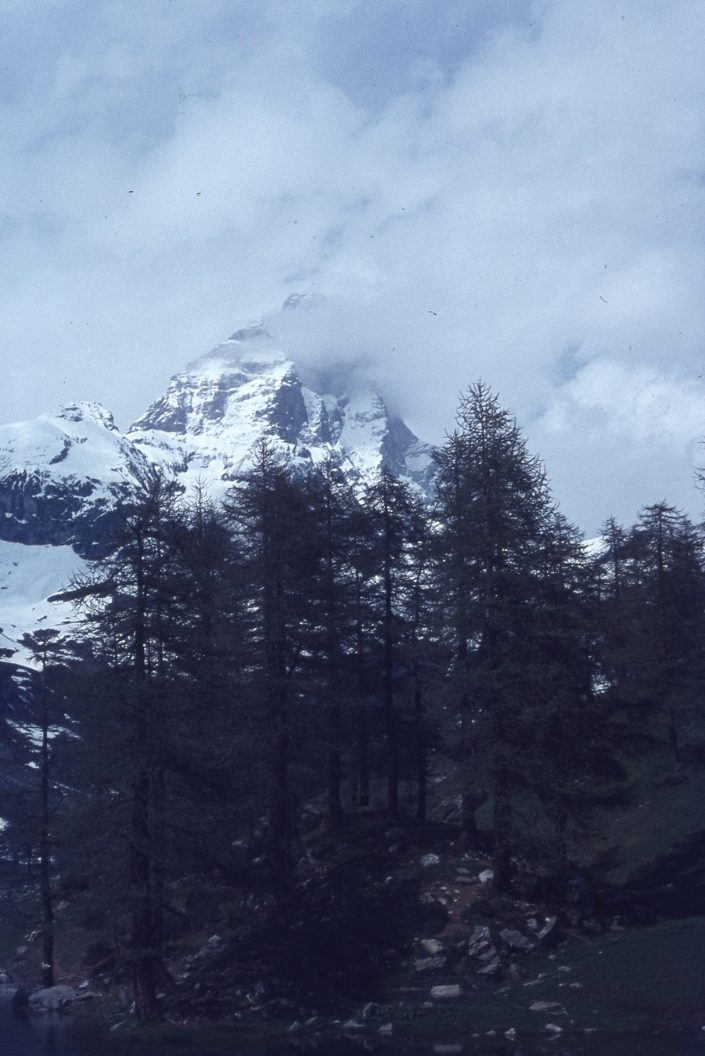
[395, 931]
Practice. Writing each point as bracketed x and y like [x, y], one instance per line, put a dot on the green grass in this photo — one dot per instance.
[659, 818]
[634, 984]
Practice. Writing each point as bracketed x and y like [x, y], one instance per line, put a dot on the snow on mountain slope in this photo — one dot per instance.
[213, 415]
[61, 476]
[28, 576]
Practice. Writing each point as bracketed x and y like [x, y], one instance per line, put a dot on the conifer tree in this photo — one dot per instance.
[493, 510]
[654, 612]
[395, 522]
[127, 603]
[332, 597]
[276, 533]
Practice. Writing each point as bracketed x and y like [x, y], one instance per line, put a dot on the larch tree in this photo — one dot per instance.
[494, 507]
[128, 608]
[276, 530]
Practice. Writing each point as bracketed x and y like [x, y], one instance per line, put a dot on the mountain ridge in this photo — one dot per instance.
[215, 412]
[64, 475]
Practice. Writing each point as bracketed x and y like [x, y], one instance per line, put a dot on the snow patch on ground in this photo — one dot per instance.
[28, 576]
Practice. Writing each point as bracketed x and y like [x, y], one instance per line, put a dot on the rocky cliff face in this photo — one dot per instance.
[213, 415]
[63, 475]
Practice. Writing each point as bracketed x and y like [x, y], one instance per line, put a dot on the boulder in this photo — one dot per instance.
[492, 967]
[430, 964]
[446, 993]
[546, 1006]
[5, 977]
[516, 940]
[486, 876]
[201, 957]
[479, 940]
[20, 998]
[430, 859]
[52, 998]
[432, 947]
[550, 932]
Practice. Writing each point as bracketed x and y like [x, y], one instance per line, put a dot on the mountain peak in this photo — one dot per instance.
[248, 353]
[87, 411]
[212, 416]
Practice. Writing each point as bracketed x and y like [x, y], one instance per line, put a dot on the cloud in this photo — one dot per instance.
[508, 190]
[633, 406]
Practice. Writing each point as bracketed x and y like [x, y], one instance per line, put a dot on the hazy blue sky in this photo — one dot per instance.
[503, 189]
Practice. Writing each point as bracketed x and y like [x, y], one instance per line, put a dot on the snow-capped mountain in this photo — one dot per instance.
[63, 475]
[214, 414]
[29, 575]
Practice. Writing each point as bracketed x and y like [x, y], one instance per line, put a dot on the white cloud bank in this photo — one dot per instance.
[513, 192]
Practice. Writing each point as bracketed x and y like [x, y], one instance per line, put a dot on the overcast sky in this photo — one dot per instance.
[502, 189]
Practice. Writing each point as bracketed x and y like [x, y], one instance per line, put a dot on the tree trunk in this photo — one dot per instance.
[470, 837]
[391, 739]
[362, 758]
[142, 935]
[279, 817]
[421, 773]
[158, 879]
[45, 854]
[389, 716]
[335, 771]
[501, 823]
[470, 798]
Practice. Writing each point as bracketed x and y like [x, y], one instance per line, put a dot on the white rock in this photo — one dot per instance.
[486, 876]
[429, 964]
[432, 947]
[478, 940]
[430, 859]
[444, 993]
[52, 998]
[516, 940]
[546, 1006]
[493, 967]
